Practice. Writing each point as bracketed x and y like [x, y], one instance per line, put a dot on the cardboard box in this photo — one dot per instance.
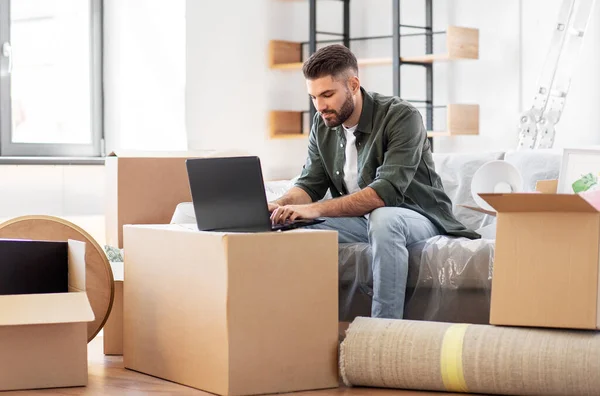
[546, 260]
[232, 314]
[43, 336]
[113, 329]
[145, 188]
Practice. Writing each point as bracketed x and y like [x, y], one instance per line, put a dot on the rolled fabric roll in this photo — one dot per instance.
[466, 358]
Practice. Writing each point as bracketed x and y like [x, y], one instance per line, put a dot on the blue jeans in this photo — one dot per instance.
[389, 231]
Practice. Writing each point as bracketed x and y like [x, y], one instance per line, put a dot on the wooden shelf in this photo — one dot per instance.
[461, 119]
[461, 43]
[286, 125]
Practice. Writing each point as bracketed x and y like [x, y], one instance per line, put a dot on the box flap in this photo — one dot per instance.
[478, 209]
[157, 154]
[536, 202]
[176, 154]
[547, 186]
[592, 198]
[34, 309]
[76, 250]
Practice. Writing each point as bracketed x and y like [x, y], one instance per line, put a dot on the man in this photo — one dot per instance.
[372, 153]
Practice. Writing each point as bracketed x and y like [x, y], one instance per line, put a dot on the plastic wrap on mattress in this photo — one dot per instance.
[356, 280]
[449, 279]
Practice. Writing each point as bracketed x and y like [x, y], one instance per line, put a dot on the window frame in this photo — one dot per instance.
[96, 148]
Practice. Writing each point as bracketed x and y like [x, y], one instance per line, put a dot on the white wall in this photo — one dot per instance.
[492, 81]
[74, 192]
[229, 88]
[144, 75]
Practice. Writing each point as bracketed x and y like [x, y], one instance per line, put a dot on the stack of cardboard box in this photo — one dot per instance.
[228, 313]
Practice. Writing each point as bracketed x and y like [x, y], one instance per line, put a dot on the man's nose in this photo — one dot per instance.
[320, 105]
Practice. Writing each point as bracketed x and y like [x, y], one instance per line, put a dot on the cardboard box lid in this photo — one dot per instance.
[71, 307]
[33, 309]
[536, 202]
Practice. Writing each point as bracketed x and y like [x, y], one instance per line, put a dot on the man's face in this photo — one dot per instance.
[332, 98]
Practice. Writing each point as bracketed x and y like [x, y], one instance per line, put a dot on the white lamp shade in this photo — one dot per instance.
[495, 177]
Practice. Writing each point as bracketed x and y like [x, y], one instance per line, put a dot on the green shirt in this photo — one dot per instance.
[394, 158]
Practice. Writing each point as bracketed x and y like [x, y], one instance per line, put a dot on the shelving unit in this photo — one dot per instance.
[461, 119]
[462, 43]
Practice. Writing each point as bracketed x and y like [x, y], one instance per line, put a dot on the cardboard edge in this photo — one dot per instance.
[598, 290]
[591, 201]
[159, 154]
[76, 257]
[549, 186]
[43, 309]
[481, 210]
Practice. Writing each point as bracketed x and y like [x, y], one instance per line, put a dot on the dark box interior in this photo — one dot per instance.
[33, 267]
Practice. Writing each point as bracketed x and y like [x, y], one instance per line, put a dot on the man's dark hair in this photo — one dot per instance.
[332, 60]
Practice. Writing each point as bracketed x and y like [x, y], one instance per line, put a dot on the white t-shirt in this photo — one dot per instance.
[351, 164]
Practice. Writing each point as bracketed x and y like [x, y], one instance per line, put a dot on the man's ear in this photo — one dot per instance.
[354, 84]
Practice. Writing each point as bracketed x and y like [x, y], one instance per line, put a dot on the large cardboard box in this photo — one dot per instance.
[43, 336]
[547, 258]
[145, 187]
[232, 313]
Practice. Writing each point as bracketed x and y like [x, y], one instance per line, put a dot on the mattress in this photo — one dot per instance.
[441, 269]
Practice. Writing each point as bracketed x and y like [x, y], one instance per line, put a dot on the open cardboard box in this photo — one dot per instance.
[547, 258]
[43, 336]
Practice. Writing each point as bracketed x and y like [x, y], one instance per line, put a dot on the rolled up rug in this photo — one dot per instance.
[466, 358]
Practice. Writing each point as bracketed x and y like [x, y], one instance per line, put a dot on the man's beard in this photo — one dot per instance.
[341, 116]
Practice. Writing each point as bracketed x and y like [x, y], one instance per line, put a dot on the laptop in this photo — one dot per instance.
[228, 194]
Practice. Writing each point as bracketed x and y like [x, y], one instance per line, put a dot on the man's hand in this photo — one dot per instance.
[293, 212]
[272, 206]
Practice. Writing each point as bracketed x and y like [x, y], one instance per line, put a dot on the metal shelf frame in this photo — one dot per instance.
[396, 37]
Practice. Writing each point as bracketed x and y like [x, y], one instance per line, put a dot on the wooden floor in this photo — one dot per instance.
[108, 377]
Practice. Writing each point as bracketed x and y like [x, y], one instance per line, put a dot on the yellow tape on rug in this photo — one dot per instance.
[451, 358]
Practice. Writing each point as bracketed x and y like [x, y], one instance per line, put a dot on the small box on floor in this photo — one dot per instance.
[113, 329]
[232, 313]
[547, 259]
[43, 322]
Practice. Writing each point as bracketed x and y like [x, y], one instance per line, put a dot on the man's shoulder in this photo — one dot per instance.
[391, 104]
[391, 111]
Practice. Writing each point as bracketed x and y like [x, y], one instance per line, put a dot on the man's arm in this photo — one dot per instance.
[406, 138]
[294, 196]
[356, 204]
[313, 179]
[353, 205]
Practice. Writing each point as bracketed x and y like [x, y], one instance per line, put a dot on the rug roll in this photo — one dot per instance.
[450, 357]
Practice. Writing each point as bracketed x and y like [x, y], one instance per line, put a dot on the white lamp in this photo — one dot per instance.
[495, 177]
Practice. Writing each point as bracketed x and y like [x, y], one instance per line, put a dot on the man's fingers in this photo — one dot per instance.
[275, 214]
[285, 215]
[279, 215]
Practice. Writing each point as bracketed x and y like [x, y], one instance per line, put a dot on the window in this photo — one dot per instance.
[50, 78]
